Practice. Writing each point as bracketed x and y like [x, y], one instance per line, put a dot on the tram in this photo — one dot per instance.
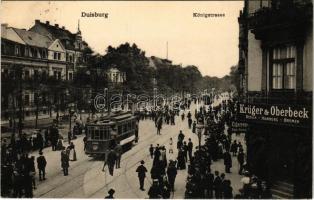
[104, 133]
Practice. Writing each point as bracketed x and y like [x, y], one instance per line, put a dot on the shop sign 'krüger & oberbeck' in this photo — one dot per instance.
[276, 114]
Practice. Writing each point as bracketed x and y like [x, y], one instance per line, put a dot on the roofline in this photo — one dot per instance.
[57, 40]
[16, 34]
[26, 44]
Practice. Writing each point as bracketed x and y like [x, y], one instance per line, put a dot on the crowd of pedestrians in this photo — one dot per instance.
[201, 181]
[18, 167]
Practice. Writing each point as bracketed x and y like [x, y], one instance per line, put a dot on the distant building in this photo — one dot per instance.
[115, 76]
[77, 51]
[276, 62]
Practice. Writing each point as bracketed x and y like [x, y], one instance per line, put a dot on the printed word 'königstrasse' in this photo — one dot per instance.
[209, 15]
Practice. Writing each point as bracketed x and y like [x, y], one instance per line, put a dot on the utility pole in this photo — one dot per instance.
[167, 50]
[37, 108]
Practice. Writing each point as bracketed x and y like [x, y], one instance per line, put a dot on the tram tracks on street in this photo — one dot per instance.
[129, 167]
[140, 146]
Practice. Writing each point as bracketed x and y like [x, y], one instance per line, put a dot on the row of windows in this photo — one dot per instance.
[30, 52]
[126, 127]
[37, 75]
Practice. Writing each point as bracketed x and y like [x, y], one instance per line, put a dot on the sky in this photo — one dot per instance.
[211, 43]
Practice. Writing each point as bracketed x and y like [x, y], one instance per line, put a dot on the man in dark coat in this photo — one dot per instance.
[151, 151]
[65, 162]
[209, 177]
[54, 137]
[185, 151]
[227, 190]
[223, 183]
[241, 161]
[190, 123]
[194, 127]
[234, 148]
[227, 161]
[41, 165]
[40, 141]
[119, 152]
[141, 171]
[217, 185]
[172, 173]
[111, 159]
[156, 155]
[190, 148]
[181, 136]
[189, 115]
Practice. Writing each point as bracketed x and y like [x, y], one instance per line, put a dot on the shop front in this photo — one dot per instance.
[279, 144]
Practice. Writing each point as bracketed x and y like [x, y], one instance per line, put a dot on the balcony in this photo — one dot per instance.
[282, 23]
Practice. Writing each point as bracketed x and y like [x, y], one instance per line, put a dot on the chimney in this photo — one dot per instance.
[63, 27]
[5, 25]
[37, 21]
[57, 25]
[47, 22]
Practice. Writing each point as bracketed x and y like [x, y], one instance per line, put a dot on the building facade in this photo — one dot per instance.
[276, 60]
[31, 65]
[77, 50]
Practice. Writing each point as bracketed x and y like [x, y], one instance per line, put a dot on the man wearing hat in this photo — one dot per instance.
[41, 164]
[110, 192]
[141, 170]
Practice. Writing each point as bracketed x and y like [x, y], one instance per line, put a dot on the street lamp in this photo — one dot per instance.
[199, 128]
[71, 112]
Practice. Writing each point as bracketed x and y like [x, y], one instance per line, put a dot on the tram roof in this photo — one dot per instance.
[112, 118]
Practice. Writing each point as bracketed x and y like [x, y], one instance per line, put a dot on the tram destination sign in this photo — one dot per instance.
[290, 115]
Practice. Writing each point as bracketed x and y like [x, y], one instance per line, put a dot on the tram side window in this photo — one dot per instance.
[101, 134]
[130, 126]
[120, 129]
[91, 133]
[125, 128]
[96, 134]
[106, 134]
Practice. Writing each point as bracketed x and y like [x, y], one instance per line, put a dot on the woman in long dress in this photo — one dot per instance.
[72, 155]
[181, 160]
